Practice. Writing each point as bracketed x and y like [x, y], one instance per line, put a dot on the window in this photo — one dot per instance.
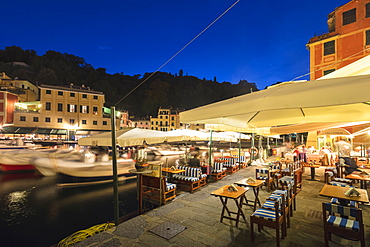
[84, 109]
[105, 123]
[84, 122]
[349, 16]
[95, 97]
[329, 48]
[60, 93]
[60, 107]
[95, 122]
[48, 91]
[60, 120]
[22, 118]
[367, 7]
[71, 121]
[48, 106]
[84, 96]
[95, 110]
[328, 71]
[72, 94]
[47, 120]
[35, 119]
[71, 108]
[367, 42]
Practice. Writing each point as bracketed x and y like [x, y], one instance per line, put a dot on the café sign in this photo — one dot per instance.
[335, 131]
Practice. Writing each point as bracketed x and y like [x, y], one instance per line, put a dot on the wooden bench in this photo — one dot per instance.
[218, 171]
[230, 165]
[157, 190]
[191, 179]
[241, 161]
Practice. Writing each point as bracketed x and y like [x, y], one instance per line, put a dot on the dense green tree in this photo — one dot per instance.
[159, 90]
[156, 96]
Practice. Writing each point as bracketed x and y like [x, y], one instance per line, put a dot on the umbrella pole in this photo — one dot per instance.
[240, 147]
[252, 148]
[210, 150]
[114, 159]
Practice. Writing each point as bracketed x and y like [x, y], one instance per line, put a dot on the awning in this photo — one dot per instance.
[58, 132]
[42, 131]
[8, 130]
[24, 131]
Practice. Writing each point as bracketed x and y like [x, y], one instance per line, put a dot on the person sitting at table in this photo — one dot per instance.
[350, 166]
[325, 153]
[311, 150]
[195, 162]
[344, 149]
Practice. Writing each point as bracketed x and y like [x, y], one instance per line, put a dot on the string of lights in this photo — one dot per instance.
[177, 53]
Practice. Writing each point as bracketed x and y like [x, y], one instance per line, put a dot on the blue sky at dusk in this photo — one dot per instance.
[259, 41]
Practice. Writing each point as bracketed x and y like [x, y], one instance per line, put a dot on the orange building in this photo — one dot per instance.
[347, 39]
[7, 101]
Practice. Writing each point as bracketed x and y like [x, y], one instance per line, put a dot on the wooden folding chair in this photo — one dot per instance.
[345, 222]
[264, 174]
[270, 218]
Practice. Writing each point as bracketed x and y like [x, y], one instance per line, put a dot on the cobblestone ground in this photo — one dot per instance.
[199, 213]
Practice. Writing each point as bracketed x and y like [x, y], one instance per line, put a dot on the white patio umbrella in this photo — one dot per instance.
[331, 100]
[195, 135]
[131, 137]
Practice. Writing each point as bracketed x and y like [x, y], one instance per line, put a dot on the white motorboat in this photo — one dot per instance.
[86, 171]
[20, 159]
[166, 150]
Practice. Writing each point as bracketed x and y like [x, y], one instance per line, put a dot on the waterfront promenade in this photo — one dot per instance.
[200, 213]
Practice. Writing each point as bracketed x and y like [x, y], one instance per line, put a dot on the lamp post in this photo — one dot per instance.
[114, 163]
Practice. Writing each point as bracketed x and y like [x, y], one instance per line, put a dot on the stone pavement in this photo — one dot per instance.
[200, 213]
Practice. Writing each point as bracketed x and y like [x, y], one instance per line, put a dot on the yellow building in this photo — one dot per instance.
[167, 119]
[25, 90]
[65, 108]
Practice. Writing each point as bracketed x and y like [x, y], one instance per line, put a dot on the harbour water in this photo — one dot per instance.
[34, 211]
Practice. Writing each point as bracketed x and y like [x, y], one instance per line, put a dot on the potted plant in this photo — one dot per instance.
[141, 162]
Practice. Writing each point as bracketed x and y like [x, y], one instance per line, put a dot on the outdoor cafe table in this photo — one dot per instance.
[170, 172]
[256, 189]
[338, 192]
[224, 194]
[313, 172]
[362, 178]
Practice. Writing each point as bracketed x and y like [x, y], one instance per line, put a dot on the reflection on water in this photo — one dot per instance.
[34, 211]
[15, 207]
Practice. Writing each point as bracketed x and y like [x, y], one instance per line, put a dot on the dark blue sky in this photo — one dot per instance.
[259, 41]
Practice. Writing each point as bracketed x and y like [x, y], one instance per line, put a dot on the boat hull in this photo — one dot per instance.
[21, 160]
[12, 167]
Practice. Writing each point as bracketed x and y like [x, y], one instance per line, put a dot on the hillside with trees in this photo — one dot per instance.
[160, 90]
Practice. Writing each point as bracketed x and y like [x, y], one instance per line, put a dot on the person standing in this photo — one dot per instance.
[343, 149]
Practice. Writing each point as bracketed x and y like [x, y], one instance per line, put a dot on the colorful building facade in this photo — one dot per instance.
[347, 39]
[168, 119]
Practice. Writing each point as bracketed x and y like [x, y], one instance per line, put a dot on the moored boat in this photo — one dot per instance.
[20, 159]
[51, 166]
[77, 173]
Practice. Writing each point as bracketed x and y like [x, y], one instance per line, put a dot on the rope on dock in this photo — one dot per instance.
[84, 234]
